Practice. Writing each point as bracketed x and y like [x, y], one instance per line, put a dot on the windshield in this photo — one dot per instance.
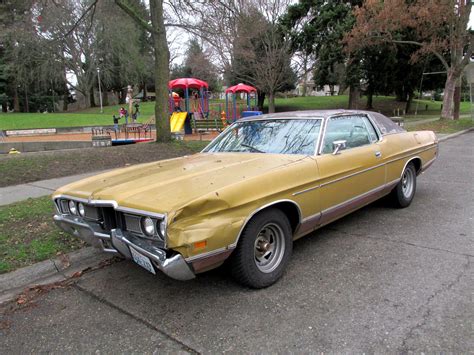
[282, 136]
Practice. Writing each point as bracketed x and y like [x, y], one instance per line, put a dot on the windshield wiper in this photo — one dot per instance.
[251, 148]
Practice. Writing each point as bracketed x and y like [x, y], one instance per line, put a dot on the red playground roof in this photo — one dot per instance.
[187, 83]
[241, 88]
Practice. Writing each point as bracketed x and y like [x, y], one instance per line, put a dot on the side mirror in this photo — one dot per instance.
[338, 146]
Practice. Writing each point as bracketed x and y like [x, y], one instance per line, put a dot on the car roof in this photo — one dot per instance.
[306, 114]
[384, 124]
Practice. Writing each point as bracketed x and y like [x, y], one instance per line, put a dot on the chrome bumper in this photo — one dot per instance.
[78, 228]
[117, 242]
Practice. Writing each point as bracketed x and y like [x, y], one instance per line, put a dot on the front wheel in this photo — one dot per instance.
[264, 250]
[402, 195]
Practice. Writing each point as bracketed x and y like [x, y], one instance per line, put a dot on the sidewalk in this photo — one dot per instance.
[15, 193]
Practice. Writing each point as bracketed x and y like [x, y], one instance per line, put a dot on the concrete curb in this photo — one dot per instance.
[49, 271]
[41, 146]
[454, 135]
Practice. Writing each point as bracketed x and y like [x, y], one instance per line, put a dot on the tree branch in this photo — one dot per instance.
[91, 7]
[130, 12]
[470, 49]
[436, 53]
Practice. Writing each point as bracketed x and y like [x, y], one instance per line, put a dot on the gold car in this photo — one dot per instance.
[261, 184]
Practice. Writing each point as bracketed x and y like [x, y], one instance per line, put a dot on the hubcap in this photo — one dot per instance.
[269, 247]
[408, 180]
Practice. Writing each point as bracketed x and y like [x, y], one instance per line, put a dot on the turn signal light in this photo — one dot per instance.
[200, 245]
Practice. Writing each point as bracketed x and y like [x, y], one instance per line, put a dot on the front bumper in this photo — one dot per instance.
[120, 242]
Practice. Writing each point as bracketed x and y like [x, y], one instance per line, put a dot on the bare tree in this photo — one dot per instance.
[241, 31]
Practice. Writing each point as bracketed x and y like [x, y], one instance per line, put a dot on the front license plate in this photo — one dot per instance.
[142, 260]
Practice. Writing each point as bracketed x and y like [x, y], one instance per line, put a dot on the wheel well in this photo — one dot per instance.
[291, 210]
[417, 163]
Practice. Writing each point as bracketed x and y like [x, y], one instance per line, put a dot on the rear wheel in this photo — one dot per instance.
[402, 195]
[264, 250]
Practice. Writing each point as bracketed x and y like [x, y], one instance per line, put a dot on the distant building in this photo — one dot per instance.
[314, 90]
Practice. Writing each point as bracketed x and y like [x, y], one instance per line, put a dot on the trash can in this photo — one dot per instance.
[250, 113]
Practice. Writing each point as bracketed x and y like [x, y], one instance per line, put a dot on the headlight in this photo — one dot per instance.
[148, 226]
[80, 208]
[162, 228]
[72, 207]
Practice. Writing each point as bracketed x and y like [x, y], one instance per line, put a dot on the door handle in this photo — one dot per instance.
[378, 154]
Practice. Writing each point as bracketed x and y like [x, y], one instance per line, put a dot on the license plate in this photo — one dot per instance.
[142, 260]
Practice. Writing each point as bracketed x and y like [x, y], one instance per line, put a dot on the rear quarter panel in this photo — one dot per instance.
[398, 149]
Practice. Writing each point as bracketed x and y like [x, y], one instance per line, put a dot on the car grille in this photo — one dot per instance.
[107, 218]
[92, 213]
[132, 223]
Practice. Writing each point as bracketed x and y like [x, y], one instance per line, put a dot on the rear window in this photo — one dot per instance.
[385, 124]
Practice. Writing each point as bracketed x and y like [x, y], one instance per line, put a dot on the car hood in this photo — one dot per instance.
[168, 185]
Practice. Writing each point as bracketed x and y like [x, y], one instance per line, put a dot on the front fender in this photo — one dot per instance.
[205, 233]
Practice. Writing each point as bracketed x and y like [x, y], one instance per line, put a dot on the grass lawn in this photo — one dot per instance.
[28, 234]
[444, 126]
[93, 117]
[29, 167]
[384, 104]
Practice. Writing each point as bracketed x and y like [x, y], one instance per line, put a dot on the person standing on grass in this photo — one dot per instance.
[137, 110]
[116, 121]
[122, 112]
[126, 117]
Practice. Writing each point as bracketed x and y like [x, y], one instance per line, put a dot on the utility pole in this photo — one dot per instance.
[52, 93]
[100, 91]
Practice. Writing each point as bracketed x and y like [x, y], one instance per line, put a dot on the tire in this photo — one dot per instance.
[263, 251]
[402, 195]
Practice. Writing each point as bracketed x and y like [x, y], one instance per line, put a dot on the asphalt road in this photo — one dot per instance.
[379, 280]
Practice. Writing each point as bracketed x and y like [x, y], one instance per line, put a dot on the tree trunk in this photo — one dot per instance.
[27, 103]
[342, 88]
[16, 101]
[305, 76]
[105, 97]
[65, 103]
[370, 98]
[353, 97]
[448, 100]
[409, 102]
[271, 102]
[91, 97]
[457, 100]
[303, 88]
[260, 100]
[144, 93]
[162, 55]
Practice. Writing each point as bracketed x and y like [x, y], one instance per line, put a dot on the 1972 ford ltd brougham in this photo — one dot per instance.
[261, 184]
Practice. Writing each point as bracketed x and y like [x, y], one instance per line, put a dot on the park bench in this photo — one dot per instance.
[206, 124]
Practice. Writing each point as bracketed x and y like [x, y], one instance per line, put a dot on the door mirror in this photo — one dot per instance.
[338, 146]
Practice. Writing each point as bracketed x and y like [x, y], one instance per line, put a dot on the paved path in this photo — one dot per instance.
[380, 280]
[11, 194]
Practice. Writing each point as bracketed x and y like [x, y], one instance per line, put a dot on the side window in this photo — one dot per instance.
[372, 133]
[352, 129]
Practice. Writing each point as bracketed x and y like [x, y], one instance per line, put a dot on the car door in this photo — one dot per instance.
[356, 174]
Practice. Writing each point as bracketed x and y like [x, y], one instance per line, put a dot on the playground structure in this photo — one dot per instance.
[192, 111]
[195, 102]
[235, 112]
